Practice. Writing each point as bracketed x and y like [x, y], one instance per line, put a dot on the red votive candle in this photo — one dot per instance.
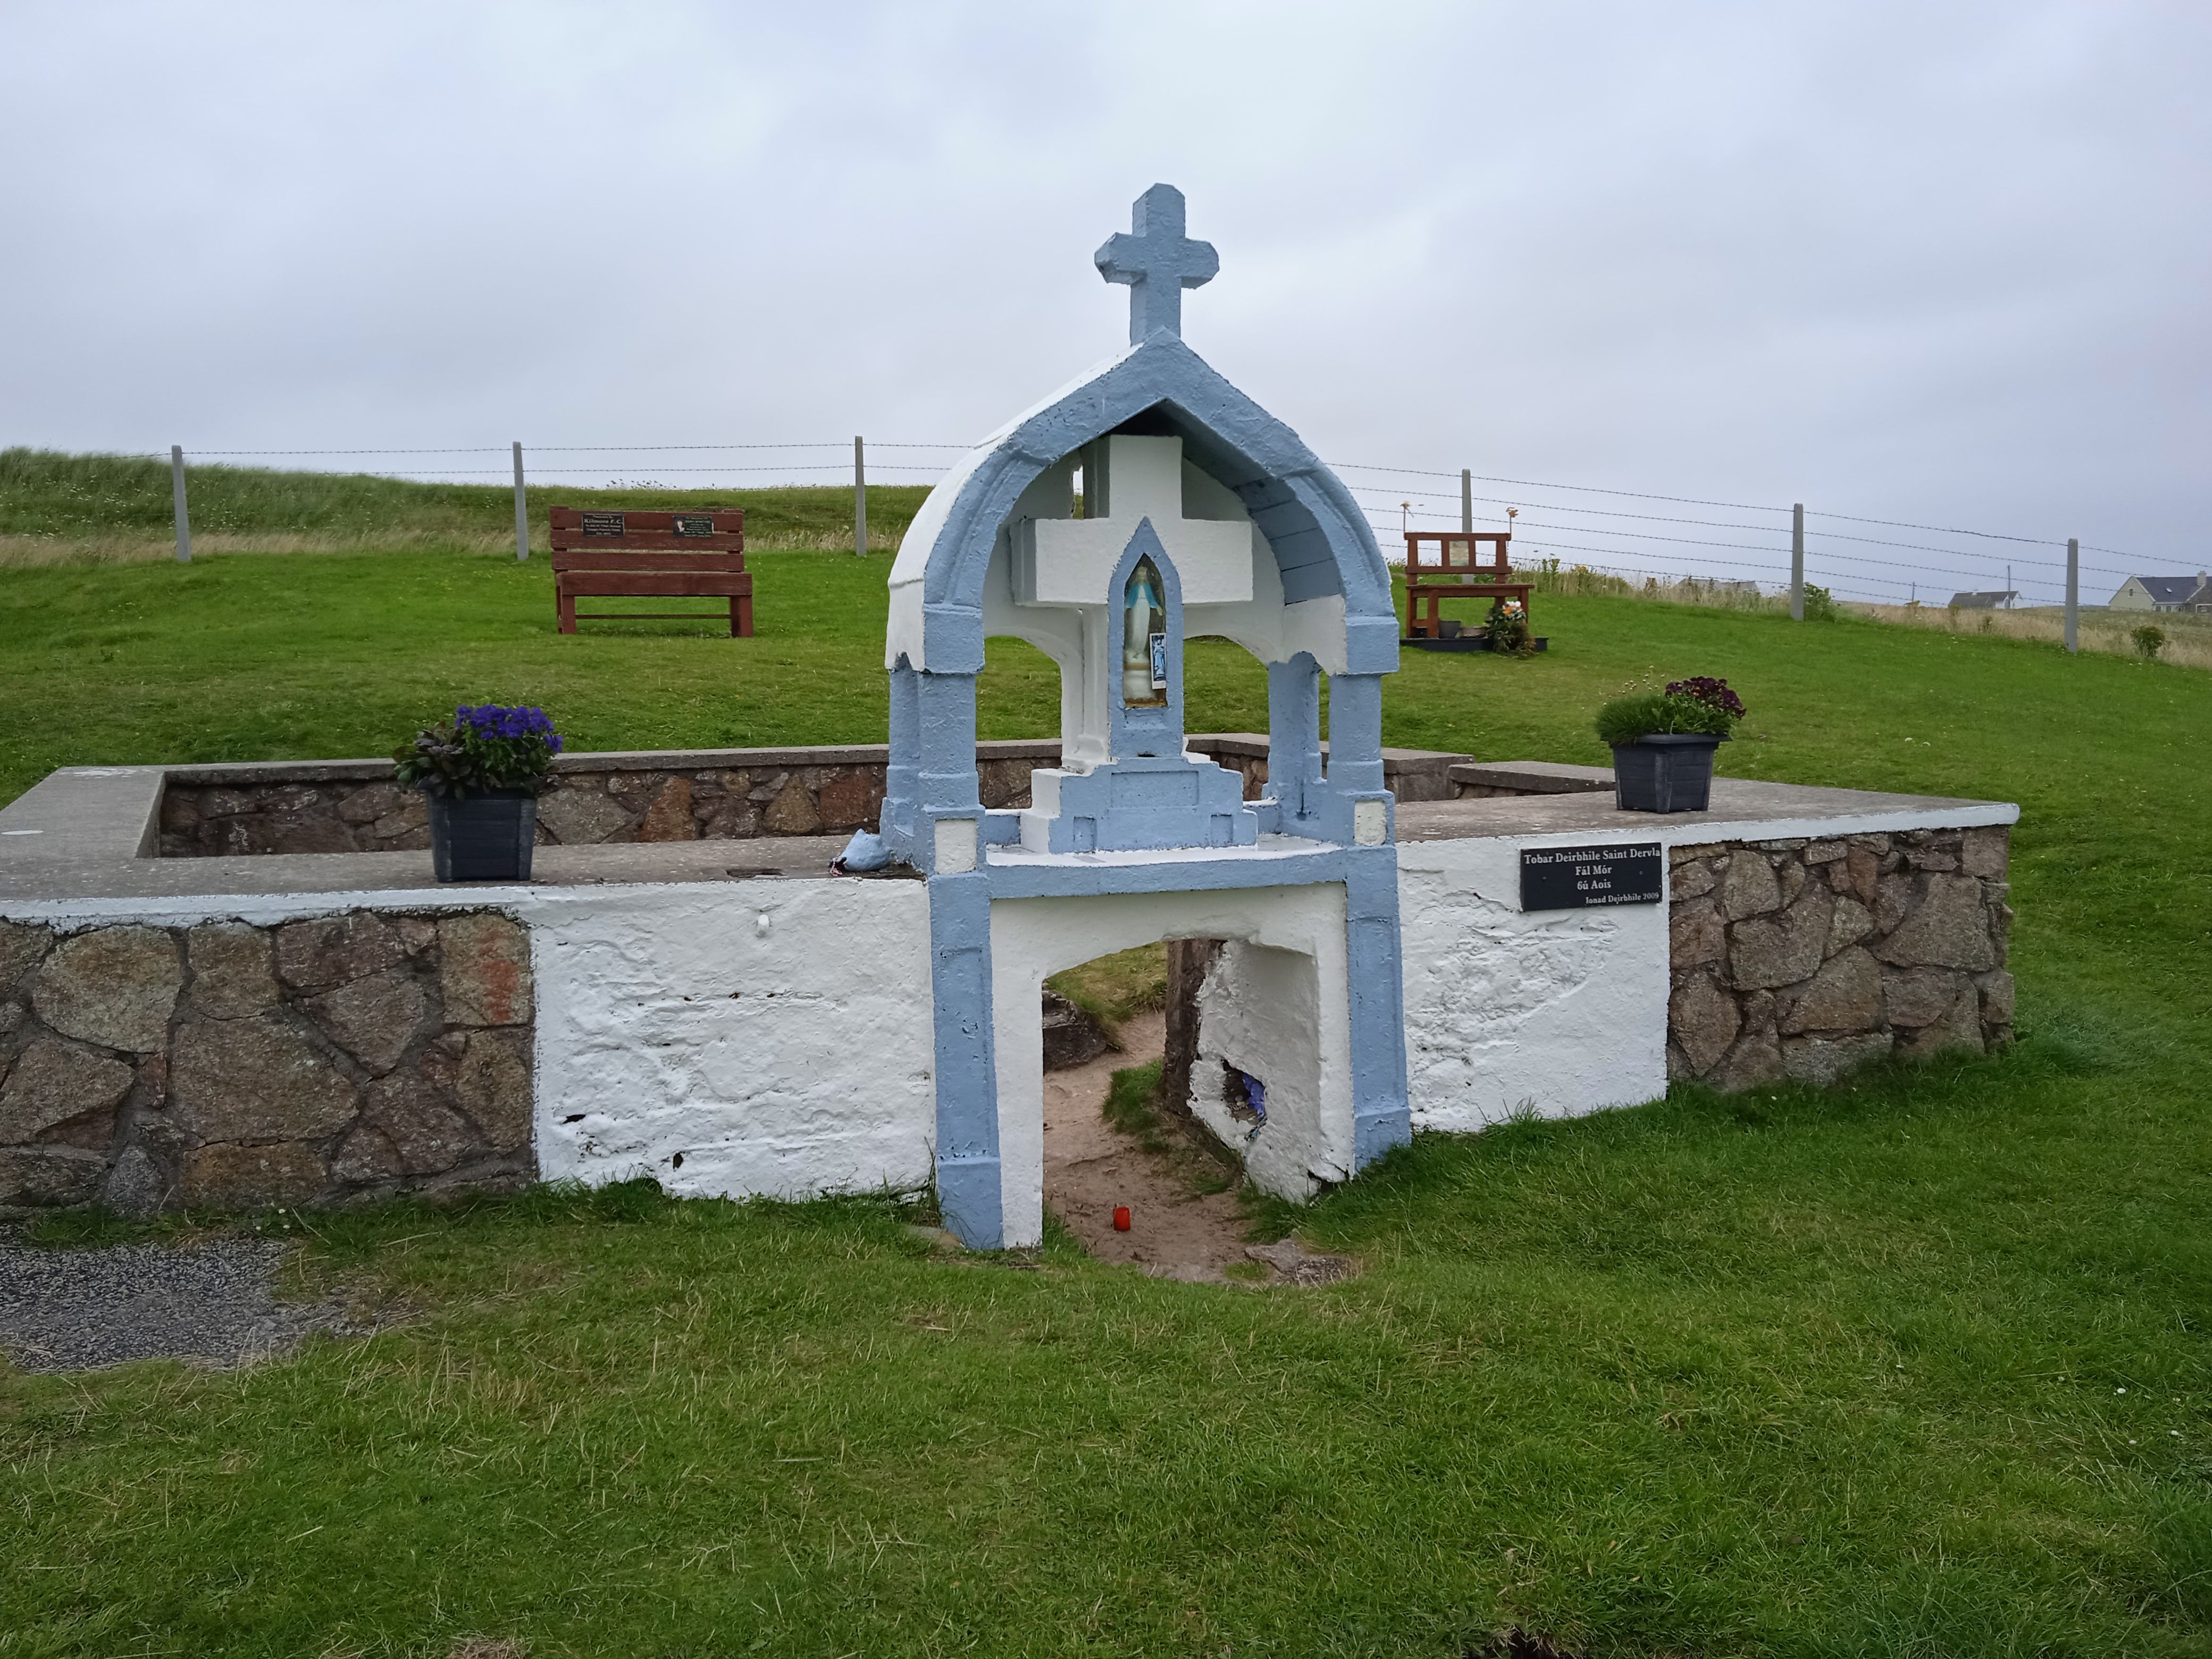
[1120, 1217]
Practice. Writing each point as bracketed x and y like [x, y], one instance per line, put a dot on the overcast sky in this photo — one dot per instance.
[1938, 263]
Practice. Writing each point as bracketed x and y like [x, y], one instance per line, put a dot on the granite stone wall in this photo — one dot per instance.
[1807, 958]
[354, 806]
[225, 1064]
[582, 806]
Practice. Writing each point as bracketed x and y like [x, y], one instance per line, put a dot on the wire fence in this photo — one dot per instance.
[1618, 541]
[1642, 537]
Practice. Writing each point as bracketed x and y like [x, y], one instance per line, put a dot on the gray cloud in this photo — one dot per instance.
[1943, 263]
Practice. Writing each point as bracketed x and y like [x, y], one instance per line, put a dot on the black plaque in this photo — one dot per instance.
[692, 524]
[1571, 877]
[604, 524]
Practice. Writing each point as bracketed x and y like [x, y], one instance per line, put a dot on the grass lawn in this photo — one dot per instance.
[1915, 1366]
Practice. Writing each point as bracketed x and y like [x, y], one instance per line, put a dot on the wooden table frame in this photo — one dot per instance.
[1456, 557]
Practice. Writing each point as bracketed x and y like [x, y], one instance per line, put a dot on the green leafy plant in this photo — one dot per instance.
[1819, 603]
[1699, 705]
[2150, 640]
[481, 748]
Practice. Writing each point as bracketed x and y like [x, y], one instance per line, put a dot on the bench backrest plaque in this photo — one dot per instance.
[1575, 877]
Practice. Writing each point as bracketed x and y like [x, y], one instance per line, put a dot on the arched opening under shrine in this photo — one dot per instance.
[1274, 1004]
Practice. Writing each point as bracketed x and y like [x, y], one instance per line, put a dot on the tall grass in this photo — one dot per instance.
[58, 509]
[2188, 638]
[1708, 591]
[1581, 581]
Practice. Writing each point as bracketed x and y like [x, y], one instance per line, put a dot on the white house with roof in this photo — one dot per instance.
[2165, 593]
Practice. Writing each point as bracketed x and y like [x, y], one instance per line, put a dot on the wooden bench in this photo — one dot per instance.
[1450, 564]
[698, 555]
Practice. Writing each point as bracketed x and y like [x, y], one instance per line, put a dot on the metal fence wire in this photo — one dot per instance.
[1641, 536]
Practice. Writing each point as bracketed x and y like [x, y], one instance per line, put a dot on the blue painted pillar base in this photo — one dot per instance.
[966, 1073]
[969, 1200]
[903, 778]
[1381, 1116]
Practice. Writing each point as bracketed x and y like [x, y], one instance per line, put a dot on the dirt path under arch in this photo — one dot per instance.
[1177, 1232]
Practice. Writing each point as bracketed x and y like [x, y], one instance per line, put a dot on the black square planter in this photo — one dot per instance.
[1667, 772]
[488, 836]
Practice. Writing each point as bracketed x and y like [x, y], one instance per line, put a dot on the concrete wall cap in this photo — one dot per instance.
[1532, 777]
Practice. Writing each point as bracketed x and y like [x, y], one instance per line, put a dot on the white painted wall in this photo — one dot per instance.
[775, 1034]
[1031, 938]
[1559, 1012]
[1260, 1011]
[2132, 596]
[815, 1076]
[1070, 561]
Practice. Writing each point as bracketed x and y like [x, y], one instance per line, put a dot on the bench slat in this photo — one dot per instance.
[615, 584]
[600, 558]
[570, 541]
[728, 520]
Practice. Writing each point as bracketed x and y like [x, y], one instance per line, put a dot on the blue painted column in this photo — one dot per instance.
[1381, 1116]
[1294, 740]
[945, 783]
[902, 779]
[1355, 734]
[965, 1074]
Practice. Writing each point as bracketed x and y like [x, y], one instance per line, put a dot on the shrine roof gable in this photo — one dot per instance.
[1321, 539]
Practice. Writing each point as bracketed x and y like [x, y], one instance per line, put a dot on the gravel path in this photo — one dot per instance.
[66, 1310]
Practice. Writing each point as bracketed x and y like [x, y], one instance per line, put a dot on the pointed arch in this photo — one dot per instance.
[1321, 540]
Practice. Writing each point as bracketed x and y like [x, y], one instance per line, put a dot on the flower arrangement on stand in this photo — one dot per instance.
[1508, 629]
[483, 771]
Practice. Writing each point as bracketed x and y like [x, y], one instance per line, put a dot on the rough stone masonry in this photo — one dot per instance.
[585, 805]
[229, 1065]
[1805, 958]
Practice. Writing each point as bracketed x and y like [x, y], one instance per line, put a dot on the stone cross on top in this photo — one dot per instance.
[1157, 262]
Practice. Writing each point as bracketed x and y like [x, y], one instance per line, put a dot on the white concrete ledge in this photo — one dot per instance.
[1742, 810]
[83, 812]
[47, 888]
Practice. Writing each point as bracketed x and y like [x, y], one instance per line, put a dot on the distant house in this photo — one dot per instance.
[2001, 601]
[2164, 593]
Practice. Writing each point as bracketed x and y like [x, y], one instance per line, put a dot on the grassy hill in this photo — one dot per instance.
[56, 508]
[1917, 1366]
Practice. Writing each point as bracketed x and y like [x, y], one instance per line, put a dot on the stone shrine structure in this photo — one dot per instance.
[234, 985]
[1201, 514]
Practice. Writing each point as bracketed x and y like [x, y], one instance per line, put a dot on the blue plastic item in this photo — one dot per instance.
[866, 851]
